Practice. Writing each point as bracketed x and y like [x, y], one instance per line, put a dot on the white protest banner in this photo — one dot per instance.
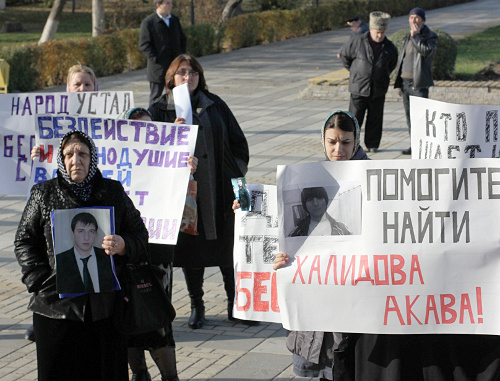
[148, 158]
[422, 256]
[17, 126]
[442, 130]
[255, 245]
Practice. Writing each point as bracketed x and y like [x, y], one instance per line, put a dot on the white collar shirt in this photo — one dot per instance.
[91, 265]
[166, 20]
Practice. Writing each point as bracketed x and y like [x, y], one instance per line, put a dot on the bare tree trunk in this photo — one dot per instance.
[98, 23]
[230, 8]
[50, 29]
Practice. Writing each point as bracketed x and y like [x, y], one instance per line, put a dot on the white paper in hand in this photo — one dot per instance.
[183, 103]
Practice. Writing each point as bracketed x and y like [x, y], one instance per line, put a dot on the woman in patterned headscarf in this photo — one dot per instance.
[75, 336]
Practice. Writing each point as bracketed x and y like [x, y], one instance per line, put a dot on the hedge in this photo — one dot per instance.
[35, 67]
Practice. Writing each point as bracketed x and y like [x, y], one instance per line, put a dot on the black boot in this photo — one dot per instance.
[230, 316]
[230, 287]
[137, 363]
[142, 376]
[30, 333]
[194, 283]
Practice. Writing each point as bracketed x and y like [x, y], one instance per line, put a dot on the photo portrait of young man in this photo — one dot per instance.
[84, 268]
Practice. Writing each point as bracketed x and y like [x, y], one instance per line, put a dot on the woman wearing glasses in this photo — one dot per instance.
[222, 152]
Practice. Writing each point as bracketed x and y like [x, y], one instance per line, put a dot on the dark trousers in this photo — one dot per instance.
[194, 283]
[374, 108]
[71, 350]
[408, 90]
[156, 90]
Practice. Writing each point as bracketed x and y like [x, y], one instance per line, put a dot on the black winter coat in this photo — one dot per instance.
[35, 252]
[425, 49]
[222, 152]
[368, 78]
[160, 44]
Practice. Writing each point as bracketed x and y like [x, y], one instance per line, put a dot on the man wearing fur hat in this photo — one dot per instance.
[414, 69]
[370, 59]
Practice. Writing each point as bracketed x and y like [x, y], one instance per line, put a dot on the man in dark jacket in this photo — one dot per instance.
[357, 26]
[414, 70]
[370, 59]
[161, 39]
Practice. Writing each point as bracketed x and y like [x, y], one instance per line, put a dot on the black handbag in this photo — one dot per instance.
[144, 306]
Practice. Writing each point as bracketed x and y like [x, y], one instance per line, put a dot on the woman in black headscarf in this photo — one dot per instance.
[75, 336]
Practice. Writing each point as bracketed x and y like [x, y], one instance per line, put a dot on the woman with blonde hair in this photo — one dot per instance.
[81, 78]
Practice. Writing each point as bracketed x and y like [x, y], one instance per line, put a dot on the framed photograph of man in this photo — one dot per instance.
[241, 193]
[82, 266]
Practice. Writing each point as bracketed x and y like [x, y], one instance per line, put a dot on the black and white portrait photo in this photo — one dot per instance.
[328, 210]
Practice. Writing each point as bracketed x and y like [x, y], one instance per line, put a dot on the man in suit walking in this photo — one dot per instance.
[83, 268]
[161, 40]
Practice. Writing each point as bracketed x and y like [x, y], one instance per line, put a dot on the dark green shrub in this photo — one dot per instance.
[267, 5]
[241, 31]
[108, 54]
[24, 75]
[443, 64]
[204, 39]
[134, 57]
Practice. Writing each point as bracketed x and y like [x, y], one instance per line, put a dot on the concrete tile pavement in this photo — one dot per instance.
[261, 85]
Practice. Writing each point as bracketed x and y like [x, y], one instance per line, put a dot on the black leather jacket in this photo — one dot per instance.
[35, 252]
[425, 46]
[368, 78]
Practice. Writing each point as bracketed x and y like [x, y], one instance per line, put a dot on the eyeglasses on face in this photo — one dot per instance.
[184, 72]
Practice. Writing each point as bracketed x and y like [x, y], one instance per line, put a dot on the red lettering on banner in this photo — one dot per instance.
[397, 269]
[378, 281]
[364, 269]
[386, 270]
[409, 312]
[333, 258]
[274, 294]
[315, 267]
[394, 308]
[415, 268]
[256, 289]
[239, 276]
[431, 307]
[465, 305]
[345, 274]
[446, 307]
[299, 270]
[446, 311]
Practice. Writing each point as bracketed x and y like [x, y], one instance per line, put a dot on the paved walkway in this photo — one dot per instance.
[261, 85]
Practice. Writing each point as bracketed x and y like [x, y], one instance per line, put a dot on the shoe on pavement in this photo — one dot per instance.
[30, 333]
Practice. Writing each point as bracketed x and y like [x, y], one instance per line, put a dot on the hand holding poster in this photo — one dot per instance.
[148, 158]
[450, 131]
[255, 245]
[17, 126]
[425, 259]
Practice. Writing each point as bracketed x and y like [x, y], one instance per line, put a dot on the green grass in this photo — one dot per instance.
[78, 24]
[477, 51]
